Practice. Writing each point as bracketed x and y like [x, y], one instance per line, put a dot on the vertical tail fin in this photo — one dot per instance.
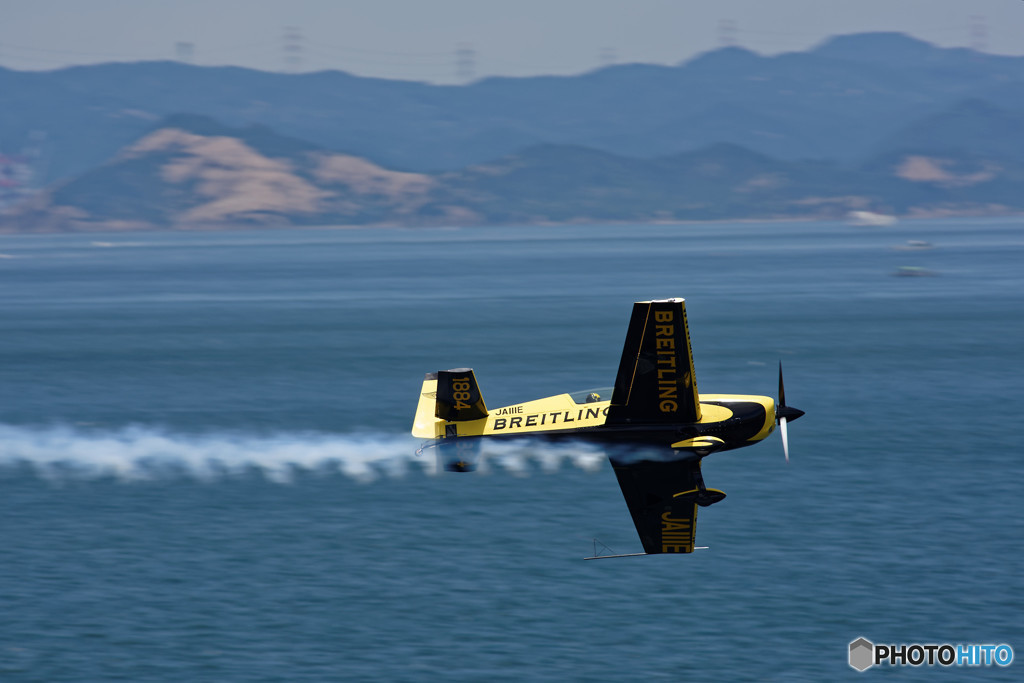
[655, 382]
[447, 396]
[458, 396]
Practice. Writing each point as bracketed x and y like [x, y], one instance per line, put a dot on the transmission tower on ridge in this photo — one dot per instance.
[979, 33]
[727, 32]
[292, 46]
[185, 51]
[465, 62]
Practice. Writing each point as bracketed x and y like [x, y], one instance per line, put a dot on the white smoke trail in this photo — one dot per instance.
[143, 453]
[134, 453]
[517, 455]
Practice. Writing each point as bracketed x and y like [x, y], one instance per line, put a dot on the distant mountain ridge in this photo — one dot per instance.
[840, 101]
[192, 172]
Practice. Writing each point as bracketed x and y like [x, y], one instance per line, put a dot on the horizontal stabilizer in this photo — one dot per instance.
[454, 455]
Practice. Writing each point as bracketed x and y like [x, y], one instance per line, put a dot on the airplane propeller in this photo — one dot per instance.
[784, 414]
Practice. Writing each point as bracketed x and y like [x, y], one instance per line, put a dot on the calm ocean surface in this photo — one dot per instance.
[206, 473]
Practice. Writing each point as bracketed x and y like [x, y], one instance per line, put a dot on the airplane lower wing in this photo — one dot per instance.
[662, 497]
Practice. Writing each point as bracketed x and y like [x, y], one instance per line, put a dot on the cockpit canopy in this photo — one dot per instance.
[592, 395]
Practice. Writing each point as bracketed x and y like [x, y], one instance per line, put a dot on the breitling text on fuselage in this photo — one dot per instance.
[551, 418]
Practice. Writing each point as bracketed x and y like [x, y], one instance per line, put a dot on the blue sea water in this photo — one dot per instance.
[206, 472]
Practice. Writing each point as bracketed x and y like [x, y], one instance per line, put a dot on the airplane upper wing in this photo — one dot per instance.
[662, 499]
[655, 382]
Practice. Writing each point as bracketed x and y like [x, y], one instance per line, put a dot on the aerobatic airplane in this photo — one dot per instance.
[655, 427]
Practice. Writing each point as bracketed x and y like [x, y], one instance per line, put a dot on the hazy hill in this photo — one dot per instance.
[568, 183]
[969, 127]
[191, 172]
[836, 102]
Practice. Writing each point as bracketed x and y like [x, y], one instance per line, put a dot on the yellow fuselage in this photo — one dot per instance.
[727, 421]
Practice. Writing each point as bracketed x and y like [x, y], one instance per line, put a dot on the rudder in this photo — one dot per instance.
[458, 396]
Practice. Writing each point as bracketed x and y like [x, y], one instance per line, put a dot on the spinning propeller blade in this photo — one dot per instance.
[785, 437]
[785, 413]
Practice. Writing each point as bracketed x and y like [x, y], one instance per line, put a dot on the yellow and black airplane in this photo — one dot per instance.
[656, 428]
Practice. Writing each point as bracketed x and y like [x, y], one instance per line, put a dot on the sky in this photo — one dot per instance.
[456, 41]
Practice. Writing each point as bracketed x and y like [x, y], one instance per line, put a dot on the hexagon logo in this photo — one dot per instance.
[862, 654]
